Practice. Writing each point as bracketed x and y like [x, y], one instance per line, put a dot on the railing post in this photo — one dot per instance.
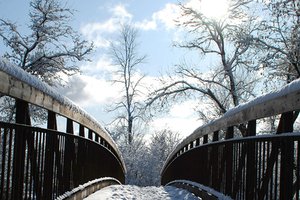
[206, 166]
[22, 117]
[97, 138]
[81, 130]
[287, 157]
[251, 164]
[197, 142]
[205, 139]
[229, 160]
[80, 162]
[49, 154]
[191, 144]
[215, 163]
[68, 157]
[70, 128]
[216, 136]
[90, 134]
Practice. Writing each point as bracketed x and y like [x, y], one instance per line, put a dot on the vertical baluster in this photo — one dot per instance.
[80, 156]
[19, 151]
[97, 138]
[10, 163]
[27, 178]
[197, 142]
[191, 144]
[251, 165]
[287, 157]
[229, 159]
[297, 189]
[68, 156]
[60, 151]
[49, 155]
[81, 130]
[260, 171]
[214, 165]
[205, 139]
[3, 167]
[277, 166]
[90, 134]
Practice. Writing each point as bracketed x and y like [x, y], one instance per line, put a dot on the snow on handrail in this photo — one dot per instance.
[87, 188]
[19, 84]
[209, 190]
[276, 102]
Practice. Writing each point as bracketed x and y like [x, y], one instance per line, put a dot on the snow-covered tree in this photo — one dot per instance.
[135, 157]
[144, 158]
[51, 47]
[161, 145]
[227, 40]
[279, 38]
[278, 44]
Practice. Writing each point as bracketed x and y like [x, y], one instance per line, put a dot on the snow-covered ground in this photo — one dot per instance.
[126, 192]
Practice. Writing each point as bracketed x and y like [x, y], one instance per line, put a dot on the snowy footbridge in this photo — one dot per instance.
[227, 156]
[231, 156]
[43, 163]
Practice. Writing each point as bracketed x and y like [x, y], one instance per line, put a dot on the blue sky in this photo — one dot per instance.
[98, 21]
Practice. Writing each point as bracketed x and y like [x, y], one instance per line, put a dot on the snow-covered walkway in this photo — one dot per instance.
[126, 192]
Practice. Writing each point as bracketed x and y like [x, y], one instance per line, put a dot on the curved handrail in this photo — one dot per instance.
[16, 83]
[253, 167]
[88, 188]
[281, 101]
[199, 190]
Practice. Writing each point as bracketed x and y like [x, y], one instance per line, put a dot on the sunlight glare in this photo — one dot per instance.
[214, 8]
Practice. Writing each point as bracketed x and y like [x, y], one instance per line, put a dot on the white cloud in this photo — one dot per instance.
[95, 86]
[168, 15]
[96, 32]
[184, 109]
[181, 118]
[99, 32]
[120, 12]
[146, 25]
[195, 4]
[165, 16]
[101, 67]
[88, 91]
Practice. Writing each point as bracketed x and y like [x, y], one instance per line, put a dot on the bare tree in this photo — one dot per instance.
[124, 53]
[228, 40]
[279, 39]
[51, 47]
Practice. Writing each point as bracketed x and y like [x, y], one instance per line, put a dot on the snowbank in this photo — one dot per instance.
[130, 192]
[86, 187]
[209, 190]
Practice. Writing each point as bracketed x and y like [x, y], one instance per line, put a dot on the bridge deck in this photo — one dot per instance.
[143, 193]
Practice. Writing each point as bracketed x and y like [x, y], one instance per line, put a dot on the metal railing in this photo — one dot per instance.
[250, 166]
[43, 163]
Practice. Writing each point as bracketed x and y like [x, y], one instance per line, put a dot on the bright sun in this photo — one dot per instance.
[214, 8]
